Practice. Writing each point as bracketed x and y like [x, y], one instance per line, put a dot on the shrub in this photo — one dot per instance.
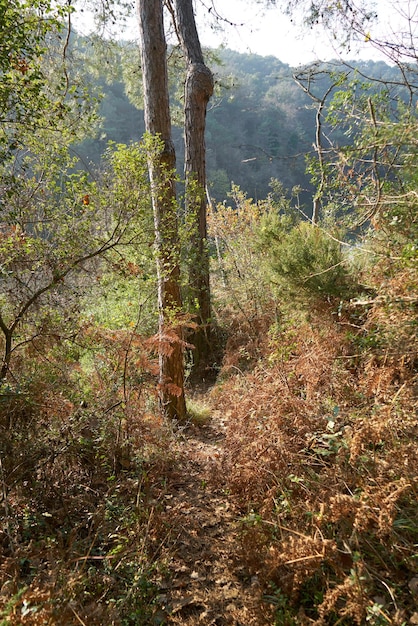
[306, 262]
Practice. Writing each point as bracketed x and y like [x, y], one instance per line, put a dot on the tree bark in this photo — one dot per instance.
[198, 90]
[163, 190]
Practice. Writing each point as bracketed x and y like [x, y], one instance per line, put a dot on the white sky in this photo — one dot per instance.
[269, 32]
[264, 32]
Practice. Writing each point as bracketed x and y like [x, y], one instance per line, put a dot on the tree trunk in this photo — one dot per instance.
[198, 90]
[162, 176]
[8, 344]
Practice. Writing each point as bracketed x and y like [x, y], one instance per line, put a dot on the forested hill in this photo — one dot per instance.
[260, 128]
[260, 123]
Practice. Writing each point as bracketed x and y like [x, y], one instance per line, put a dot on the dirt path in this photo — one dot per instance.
[206, 584]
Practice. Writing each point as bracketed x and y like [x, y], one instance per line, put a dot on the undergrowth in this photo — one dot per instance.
[320, 386]
[321, 456]
[84, 464]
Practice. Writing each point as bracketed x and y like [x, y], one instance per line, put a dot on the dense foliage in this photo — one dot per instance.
[316, 331]
[322, 411]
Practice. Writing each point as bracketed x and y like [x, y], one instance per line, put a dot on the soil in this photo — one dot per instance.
[206, 583]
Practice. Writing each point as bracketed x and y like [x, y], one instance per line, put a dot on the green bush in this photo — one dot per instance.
[305, 261]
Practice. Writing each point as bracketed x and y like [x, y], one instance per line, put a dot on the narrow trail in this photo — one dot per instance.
[206, 583]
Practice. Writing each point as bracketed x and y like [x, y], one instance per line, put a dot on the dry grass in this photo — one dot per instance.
[80, 530]
[321, 455]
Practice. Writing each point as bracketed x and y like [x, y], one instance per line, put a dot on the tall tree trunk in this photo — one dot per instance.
[162, 176]
[198, 90]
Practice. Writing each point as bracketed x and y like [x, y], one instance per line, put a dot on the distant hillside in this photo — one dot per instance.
[260, 124]
[259, 128]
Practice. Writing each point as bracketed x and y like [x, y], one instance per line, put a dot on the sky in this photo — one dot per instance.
[249, 27]
[264, 32]
[269, 32]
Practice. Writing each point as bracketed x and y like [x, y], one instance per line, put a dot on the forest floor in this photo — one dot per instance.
[206, 583]
[288, 498]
